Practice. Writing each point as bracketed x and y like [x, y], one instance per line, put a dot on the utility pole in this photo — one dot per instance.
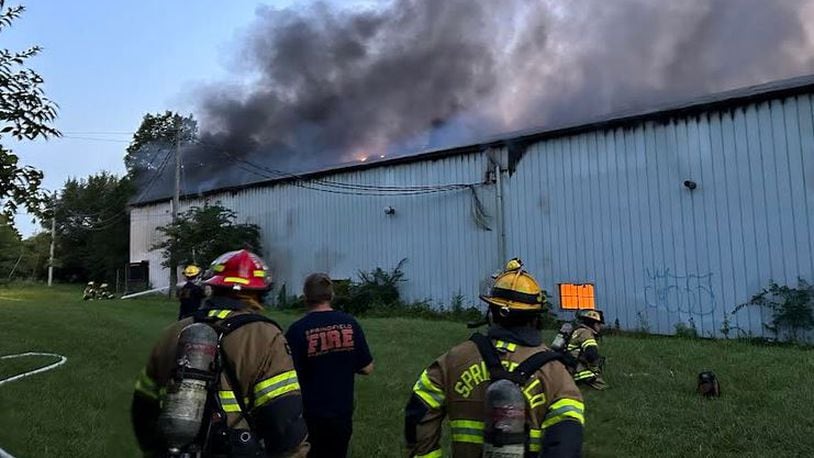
[176, 201]
[53, 240]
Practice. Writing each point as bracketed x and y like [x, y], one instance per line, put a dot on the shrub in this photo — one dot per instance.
[792, 308]
[688, 331]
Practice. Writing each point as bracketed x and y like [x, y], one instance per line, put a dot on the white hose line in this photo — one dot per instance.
[143, 293]
[61, 361]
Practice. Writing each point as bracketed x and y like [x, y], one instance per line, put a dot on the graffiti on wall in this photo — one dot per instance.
[691, 293]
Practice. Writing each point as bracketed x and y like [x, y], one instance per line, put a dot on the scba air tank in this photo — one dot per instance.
[505, 428]
[562, 337]
[184, 405]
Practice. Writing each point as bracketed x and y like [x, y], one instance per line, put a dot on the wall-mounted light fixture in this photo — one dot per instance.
[689, 184]
[388, 210]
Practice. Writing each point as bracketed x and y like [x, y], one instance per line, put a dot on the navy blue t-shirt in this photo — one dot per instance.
[328, 349]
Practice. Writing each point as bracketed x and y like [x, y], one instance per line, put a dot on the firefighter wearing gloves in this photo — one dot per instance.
[251, 405]
[548, 413]
[584, 348]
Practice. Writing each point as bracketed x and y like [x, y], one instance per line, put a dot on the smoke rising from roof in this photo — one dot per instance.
[331, 85]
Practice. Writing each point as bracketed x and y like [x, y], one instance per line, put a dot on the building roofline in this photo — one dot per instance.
[711, 102]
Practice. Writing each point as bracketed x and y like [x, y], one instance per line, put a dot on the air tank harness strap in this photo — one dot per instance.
[224, 328]
[522, 372]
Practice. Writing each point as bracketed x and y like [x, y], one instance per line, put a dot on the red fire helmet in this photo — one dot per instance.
[239, 270]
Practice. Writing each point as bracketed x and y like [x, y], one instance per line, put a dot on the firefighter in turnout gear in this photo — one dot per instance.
[191, 294]
[253, 405]
[457, 384]
[104, 292]
[584, 348]
[90, 291]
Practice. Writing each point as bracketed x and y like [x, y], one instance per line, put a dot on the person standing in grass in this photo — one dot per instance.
[455, 385]
[253, 406]
[329, 349]
[191, 294]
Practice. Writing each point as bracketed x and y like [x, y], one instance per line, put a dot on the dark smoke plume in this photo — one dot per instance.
[332, 85]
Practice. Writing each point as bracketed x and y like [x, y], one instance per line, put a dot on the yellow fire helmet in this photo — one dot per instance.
[192, 271]
[591, 315]
[515, 289]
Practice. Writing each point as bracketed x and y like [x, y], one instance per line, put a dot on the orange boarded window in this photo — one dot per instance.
[576, 296]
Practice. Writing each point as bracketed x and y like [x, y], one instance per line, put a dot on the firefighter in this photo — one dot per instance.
[584, 348]
[191, 294]
[455, 385]
[104, 293]
[255, 403]
[90, 291]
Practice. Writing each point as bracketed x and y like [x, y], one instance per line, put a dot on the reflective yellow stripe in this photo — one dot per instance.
[567, 402]
[242, 281]
[474, 424]
[432, 454]
[428, 392]
[219, 313]
[469, 431]
[228, 401]
[508, 346]
[146, 385]
[468, 438]
[588, 343]
[565, 409]
[260, 273]
[535, 440]
[583, 375]
[274, 387]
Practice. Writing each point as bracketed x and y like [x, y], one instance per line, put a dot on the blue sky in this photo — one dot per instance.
[107, 63]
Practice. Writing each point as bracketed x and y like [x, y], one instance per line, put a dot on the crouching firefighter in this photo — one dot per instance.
[505, 393]
[222, 382]
[583, 347]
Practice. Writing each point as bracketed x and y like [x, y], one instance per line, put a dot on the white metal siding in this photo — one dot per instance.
[609, 207]
[606, 206]
[306, 230]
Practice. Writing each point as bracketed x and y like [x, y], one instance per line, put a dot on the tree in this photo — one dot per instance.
[201, 234]
[157, 133]
[36, 253]
[10, 248]
[25, 114]
[92, 228]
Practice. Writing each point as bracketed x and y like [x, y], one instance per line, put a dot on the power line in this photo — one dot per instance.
[94, 139]
[337, 187]
[158, 172]
[73, 132]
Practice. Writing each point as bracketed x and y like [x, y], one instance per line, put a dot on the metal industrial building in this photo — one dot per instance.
[674, 215]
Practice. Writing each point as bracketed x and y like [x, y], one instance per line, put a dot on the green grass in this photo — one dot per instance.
[82, 408]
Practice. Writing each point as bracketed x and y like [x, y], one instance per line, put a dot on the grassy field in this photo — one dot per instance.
[81, 408]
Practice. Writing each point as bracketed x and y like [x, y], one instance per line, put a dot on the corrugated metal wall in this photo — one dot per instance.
[610, 207]
[306, 230]
[607, 207]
